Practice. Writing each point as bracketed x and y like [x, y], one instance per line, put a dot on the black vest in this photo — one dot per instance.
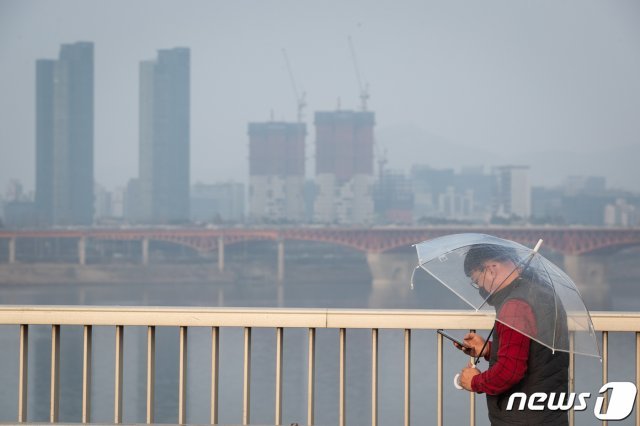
[546, 371]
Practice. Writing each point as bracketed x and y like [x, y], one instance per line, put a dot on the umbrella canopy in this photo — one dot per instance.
[452, 260]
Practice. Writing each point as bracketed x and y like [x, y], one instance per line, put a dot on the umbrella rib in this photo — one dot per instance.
[546, 344]
[445, 284]
[555, 302]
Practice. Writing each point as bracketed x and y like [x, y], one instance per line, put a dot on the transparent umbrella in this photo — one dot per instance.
[452, 258]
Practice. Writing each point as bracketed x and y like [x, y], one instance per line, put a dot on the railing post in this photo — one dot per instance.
[311, 376]
[151, 372]
[472, 400]
[54, 403]
[638, 377]
[605, 370]
[246, 393]
[117, 403]
[472, 408]
[439, 380]
[182, 377]
[23, 373]
[215, 351]
[278, 408]
[407, 377]
[572, 372]
[343, 360]
[86, 374]
[374, 377]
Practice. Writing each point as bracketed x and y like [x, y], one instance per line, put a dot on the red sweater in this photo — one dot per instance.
[513, 352]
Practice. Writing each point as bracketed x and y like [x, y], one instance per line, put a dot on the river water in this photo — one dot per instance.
[342, 289]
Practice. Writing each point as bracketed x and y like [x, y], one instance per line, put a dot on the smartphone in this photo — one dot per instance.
[453, 339]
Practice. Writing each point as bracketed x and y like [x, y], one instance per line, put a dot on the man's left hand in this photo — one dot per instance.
[466, 375]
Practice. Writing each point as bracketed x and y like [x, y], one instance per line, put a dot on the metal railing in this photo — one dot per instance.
[277, 318]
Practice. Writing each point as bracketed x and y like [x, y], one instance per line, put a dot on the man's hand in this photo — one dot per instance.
[466, 375]
[472, 345]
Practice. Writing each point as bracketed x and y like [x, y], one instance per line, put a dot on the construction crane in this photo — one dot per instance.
[380, 152]
[364, 88]
[300, 102]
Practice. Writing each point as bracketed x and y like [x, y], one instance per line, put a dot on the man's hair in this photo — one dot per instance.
[480, 253]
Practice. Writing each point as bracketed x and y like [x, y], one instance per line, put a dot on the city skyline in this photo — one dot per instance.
[344, 190]
[550, 86]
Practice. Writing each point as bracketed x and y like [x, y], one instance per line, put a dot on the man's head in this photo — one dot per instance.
[480, 253]
[491, 266]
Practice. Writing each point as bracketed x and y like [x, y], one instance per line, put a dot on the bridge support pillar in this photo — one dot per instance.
[82, 250]
[280, 260]
[12, 250]
[391, 274]
[220, 253]
[589, 272]
[145, 251]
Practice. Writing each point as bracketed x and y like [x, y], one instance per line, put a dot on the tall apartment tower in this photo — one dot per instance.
[276, 171]
[164, 137]
[512, 193]
[344, 167]
[64, 136]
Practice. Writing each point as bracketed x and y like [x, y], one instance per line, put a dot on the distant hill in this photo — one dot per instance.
[620, 165]
[407, 145]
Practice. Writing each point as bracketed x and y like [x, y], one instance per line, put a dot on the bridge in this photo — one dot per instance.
[584, 249]
[565, 240]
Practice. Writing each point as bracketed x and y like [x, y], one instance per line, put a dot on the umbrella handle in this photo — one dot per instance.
[537, 247]
[456, 382]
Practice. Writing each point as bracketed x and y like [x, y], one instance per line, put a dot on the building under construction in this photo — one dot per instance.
[277, 171]
[344, 167]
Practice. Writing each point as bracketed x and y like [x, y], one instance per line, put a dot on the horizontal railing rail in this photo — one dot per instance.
[249, 318]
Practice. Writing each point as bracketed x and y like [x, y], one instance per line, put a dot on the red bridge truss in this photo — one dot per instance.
[566, 240]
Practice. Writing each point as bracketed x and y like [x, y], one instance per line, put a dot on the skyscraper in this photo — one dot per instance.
[344, 167]
[164, 137]
[276, 169]
[64, 136]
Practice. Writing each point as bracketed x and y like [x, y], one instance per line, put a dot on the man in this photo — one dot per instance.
[517, 363]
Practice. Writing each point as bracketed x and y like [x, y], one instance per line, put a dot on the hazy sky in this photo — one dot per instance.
[554, 84]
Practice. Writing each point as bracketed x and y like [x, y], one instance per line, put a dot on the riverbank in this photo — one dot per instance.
[254, 272]
[111, 274]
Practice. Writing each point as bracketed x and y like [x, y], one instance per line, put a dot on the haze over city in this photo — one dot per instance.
[550, 85]
[166, 205]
